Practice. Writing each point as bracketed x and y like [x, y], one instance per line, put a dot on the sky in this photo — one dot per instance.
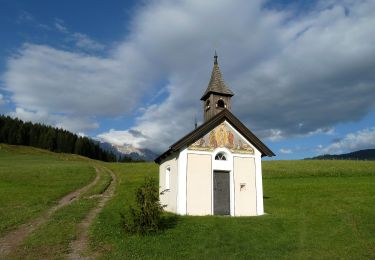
[133, 72]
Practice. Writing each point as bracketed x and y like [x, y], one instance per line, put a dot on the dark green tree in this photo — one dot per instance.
[145, 215]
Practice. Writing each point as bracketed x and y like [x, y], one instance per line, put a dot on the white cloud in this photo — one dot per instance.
[28, 19]
[26, 115]
[85, 42]
[59, 25]
[363, 139]
[326, 130]
[54, 83]
[121, 138]
[285, 151]
[81, 40]
[274, 134]
[292, 75]
[75, 123]
[71, 83]
[2, 101]
[293, 78]
[25, 17]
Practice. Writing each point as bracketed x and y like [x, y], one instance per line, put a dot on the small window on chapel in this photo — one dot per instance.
[221, 103]
[167, 178]
[220, 157]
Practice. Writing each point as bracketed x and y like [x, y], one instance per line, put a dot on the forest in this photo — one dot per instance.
[17, 132]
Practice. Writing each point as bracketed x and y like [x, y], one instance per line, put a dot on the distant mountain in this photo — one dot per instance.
[129, 151]
[368, 154]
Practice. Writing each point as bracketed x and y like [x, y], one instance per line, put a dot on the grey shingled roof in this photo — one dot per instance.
[217, 84]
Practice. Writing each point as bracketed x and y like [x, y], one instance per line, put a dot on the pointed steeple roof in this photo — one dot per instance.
[217, 84]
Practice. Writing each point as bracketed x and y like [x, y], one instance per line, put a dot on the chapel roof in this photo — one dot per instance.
[211, 124]
[217, 84]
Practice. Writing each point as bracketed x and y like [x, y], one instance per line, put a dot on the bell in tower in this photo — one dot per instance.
[217, 96]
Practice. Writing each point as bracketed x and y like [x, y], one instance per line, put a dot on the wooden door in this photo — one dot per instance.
[221, 193]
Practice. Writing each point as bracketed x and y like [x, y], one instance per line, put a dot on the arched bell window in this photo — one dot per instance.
[221, 103]
[221, 156]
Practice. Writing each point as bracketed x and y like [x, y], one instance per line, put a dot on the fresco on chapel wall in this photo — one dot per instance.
[222, 136]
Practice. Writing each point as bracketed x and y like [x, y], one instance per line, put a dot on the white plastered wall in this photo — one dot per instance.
[168, 197]
[257, 157]
[245, 186]
[181, 182]
[249, 173]
[198, 184]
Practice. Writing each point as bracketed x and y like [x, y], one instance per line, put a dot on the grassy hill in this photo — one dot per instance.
[315, 209]
[368, 154]
[32, 180]
[32, 183]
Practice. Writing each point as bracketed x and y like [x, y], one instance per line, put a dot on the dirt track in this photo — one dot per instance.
[10, 241]
[79, 247]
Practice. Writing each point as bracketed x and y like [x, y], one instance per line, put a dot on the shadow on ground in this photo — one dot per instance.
[168, 221]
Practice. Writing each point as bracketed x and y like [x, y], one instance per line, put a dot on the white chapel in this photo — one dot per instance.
[217, 168]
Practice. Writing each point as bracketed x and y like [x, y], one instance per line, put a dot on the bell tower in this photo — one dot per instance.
[217, 96]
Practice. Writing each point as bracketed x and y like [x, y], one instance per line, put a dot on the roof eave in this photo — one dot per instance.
[163, 156]
[207, 126]
[204, 97]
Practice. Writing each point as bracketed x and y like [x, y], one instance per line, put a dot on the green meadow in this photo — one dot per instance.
[315, 210]
[33, 180]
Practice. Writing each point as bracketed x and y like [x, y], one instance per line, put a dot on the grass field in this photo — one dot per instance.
[52, 239]
[36, 179]
[33, 180]
[315, 210]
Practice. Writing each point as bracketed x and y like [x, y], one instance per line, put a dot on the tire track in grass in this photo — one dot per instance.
[80, 246]
[13, 239]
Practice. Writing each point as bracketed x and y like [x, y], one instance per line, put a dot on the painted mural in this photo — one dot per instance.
[222, 136]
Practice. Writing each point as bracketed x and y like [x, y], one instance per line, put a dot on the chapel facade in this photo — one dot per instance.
[216, 169]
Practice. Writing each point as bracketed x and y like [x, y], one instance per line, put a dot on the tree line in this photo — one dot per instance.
[15, 131]
[127, 159]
